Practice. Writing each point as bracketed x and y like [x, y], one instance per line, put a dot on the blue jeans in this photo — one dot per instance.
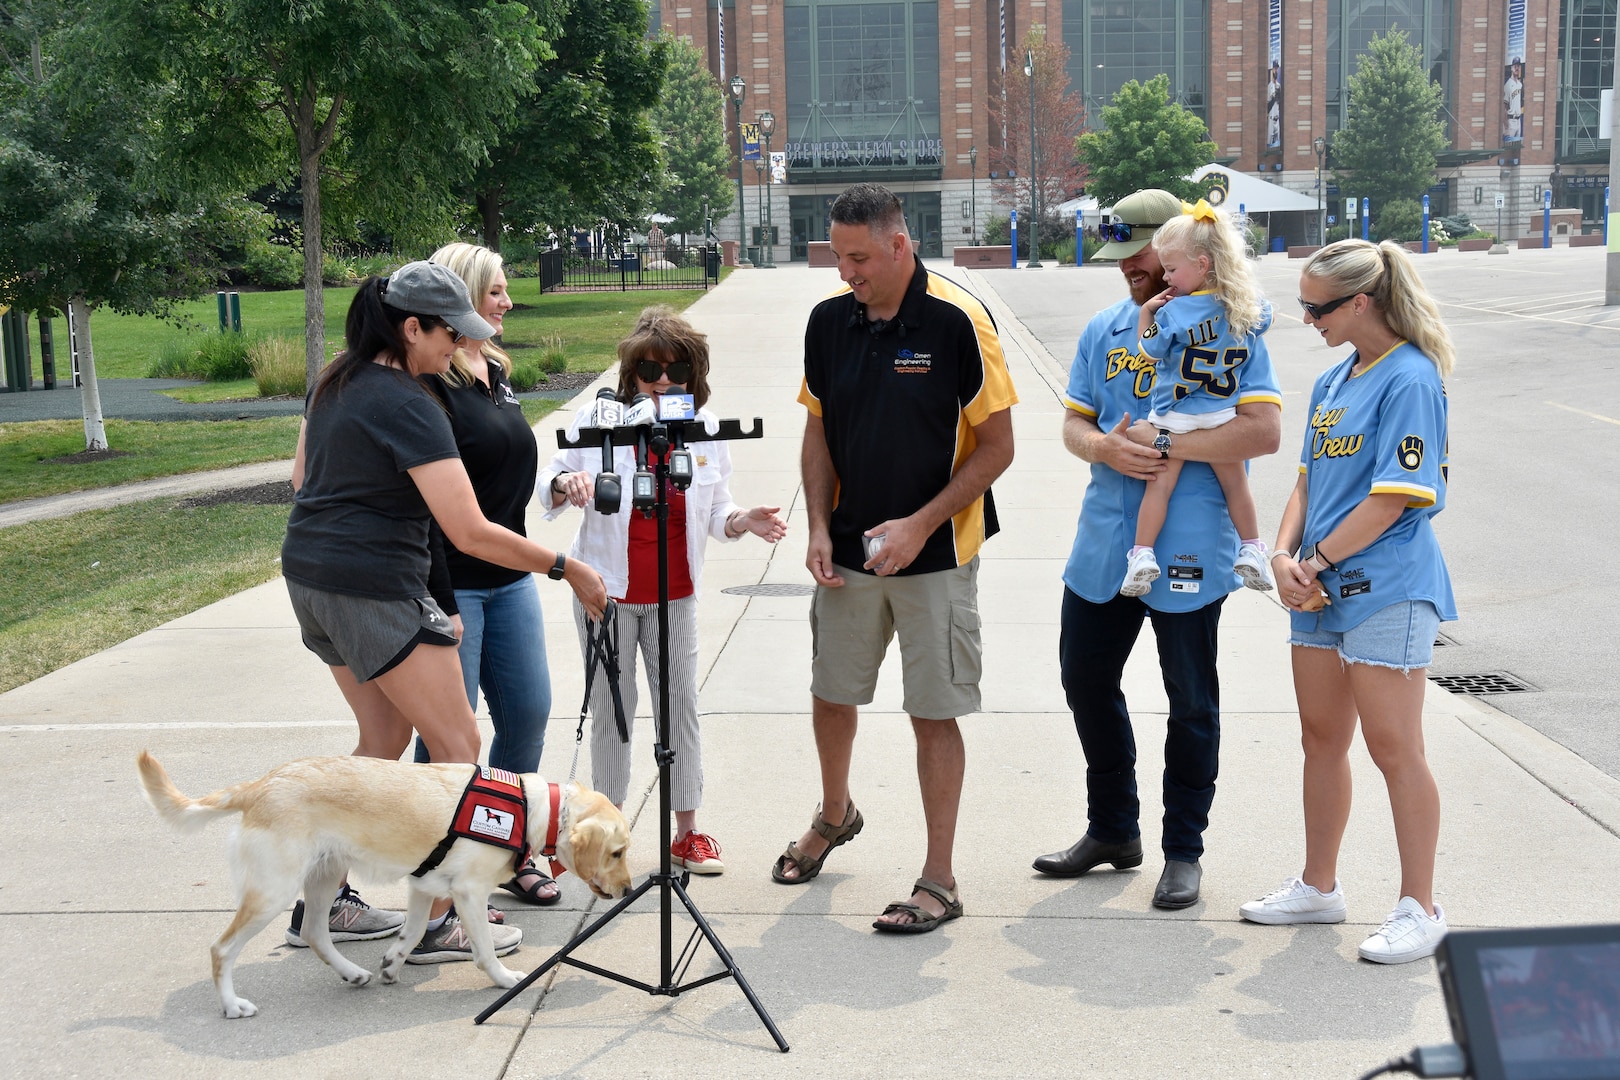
[1096, 641]
[503, 649]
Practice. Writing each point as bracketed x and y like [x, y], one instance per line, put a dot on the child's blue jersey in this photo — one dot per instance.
[1380, 431]
[1109, 378]
[1196, 356]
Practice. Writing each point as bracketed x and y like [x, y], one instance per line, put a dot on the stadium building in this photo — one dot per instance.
[898, 92]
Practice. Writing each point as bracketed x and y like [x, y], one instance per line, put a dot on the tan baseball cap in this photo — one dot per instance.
[1144, 211]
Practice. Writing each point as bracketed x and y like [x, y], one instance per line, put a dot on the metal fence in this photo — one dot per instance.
[639, 266]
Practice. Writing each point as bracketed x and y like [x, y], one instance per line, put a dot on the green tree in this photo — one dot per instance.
[1147, 141]
[690, 123]
[380, 104]
[83, 222]
[583, 149]
[1386, 149]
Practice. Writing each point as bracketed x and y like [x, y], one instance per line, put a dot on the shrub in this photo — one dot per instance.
[553, 359]
[525, 375]
[217, 356]
[271, 265]
[1337, 233]
[1065, 252]
[1399, 220]
[277, 363]
[1457, 225]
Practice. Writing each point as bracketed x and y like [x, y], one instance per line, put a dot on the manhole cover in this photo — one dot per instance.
[1488, 682]
[770, 590]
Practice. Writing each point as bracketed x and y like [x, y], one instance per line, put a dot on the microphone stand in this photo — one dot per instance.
[671, 968]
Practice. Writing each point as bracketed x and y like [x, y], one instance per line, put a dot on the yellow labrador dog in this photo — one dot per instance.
[307, 823]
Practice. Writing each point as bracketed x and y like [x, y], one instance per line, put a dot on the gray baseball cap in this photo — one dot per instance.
[425, 288]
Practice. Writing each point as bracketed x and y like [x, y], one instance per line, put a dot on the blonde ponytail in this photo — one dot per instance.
[1386, 274]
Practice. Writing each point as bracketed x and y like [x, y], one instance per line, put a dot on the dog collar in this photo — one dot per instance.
[553, 826]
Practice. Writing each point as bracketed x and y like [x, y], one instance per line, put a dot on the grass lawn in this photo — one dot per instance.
[590, 324]
[74, 586]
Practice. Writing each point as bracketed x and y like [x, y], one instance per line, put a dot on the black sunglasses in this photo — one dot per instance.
[650, 371]
[1119, 231]
[433, 322]
[1318, 311]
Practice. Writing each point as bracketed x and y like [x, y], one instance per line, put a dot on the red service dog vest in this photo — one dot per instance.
[493, 810]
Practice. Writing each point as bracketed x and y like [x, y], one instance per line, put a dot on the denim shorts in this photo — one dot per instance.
[1399, 636]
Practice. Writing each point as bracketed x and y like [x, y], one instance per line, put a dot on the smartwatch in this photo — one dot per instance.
[558, 568]
[1162, 444]
[1309, 552]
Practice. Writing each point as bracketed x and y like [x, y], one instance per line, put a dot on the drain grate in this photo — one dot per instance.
[770, 590]
[1486, 682]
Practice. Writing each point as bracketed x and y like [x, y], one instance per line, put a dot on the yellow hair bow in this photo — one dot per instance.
[1202, 211]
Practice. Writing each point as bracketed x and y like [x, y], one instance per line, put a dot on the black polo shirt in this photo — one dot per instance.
[898, 401]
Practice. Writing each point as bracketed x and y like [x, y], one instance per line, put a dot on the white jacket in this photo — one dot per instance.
[603, 540]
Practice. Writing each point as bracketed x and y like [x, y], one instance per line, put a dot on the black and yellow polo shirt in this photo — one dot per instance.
[899, 401]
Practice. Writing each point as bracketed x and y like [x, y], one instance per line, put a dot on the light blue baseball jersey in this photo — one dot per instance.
[1109, 378]
[1380, 431]
[1196, 356]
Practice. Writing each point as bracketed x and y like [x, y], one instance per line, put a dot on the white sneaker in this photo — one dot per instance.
[1140, 571]
[1410, 933]
[1296, 902]
[1252, 567]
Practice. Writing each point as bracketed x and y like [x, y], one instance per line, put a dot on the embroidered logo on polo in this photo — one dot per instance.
[907, 362]
[1411, 454]
[507, 395]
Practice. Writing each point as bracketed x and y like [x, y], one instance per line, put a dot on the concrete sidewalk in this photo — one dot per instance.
[106, 967]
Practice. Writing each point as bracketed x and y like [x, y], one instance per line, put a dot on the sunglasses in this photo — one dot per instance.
[1318, 311]
[433, 322]
[650, 371]
[1120, 231]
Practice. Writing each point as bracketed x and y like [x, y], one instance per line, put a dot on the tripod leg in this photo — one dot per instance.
[730, 965]
[578, 939]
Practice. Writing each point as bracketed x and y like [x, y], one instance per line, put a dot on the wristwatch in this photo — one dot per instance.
[1162, 444]
[558, 568]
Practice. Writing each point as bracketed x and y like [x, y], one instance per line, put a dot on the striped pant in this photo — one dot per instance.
[638, 634]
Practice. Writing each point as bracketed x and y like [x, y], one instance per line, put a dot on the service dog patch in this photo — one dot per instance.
[493, 810]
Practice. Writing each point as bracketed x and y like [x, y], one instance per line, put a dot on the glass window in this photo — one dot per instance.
[1585, 69]
[1351, 26]
[862, 86]
[1112, 42]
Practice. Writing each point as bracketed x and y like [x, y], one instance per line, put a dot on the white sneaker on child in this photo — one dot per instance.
[1140, 571]
[1252, 567]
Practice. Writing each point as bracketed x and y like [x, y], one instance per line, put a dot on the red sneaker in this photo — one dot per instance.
[698, 853]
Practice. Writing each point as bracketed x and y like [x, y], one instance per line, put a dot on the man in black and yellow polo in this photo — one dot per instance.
[910, 421]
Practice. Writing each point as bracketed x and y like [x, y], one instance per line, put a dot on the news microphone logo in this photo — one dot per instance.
[676, 406]
[642, 410]
[608, 413]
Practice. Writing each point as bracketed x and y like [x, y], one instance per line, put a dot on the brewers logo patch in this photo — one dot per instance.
[1411, 453]
[1151, 332]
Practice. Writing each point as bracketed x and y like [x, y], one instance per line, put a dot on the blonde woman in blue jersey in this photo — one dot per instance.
[1358, 535]
[1198, 332]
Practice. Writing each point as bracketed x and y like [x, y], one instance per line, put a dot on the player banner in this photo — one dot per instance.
[1513, 76]
[1274, 77]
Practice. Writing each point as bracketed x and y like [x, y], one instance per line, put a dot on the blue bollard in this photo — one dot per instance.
[1079, 237]
[1014, 218]
[1366, 218]
[1425, 224]
[1546, 218]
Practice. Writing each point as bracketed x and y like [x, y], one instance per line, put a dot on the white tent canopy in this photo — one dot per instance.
[1256, 196]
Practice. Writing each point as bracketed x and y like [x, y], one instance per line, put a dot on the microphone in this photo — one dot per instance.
[640, 415]
[606, 416]
[677, 406]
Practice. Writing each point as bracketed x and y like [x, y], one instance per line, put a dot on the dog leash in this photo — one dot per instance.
[601, 649]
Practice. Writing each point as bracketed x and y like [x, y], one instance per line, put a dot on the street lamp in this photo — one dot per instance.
[738, 89]
[1034, 173]
[1319, 144]
[759, 188]
[973, 203]
[767, 124]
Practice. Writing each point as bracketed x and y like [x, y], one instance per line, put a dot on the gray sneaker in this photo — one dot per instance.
[351, 919]
[450, 943]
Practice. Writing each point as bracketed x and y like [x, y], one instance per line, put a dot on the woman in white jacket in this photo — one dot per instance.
[663, 351]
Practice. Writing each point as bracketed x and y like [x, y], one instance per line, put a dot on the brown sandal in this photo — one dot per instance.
[922, 920]
[834, 835]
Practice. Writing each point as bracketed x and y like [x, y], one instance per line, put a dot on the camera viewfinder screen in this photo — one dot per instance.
[1556, 1010]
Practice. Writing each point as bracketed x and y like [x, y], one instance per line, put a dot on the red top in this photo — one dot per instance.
[643, 587]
